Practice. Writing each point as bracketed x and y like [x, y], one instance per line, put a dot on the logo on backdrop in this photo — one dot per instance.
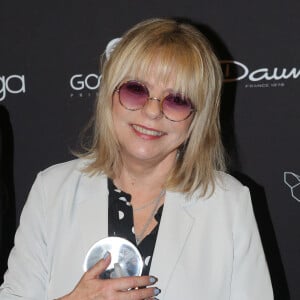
[292, 180]
[258, 78]
[13, 84]
[86, 85]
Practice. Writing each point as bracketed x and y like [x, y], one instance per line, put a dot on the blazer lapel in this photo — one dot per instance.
[92, 209]
[175, 226]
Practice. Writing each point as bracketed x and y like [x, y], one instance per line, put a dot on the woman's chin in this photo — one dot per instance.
[149, 156]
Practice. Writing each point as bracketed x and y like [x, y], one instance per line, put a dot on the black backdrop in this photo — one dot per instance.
[48, 77]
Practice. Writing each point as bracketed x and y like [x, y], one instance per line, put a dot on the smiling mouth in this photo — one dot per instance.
[147, 131]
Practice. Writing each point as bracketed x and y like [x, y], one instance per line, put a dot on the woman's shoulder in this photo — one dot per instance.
[228, 196]
[63, 167]
[58, 180]
[72, 166]
[227, 182]
[229, 191]
[226, 189]
[65, 172]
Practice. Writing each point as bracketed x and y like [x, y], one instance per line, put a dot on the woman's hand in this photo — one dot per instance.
[91, 287]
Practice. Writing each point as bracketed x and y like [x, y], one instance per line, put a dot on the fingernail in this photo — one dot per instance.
[156, 291]
[106, 255]
[152, 279]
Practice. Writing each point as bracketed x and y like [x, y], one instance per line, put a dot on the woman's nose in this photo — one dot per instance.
[153, 108]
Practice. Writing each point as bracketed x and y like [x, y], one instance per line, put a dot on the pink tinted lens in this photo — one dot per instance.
[133, 95]
[176, 107]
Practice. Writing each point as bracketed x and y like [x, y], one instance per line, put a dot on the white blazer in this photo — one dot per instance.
[206, 249]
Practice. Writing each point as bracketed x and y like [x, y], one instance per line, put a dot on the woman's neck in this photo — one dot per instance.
[144, 178]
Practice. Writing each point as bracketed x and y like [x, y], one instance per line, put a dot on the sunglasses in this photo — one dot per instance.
[133, 95]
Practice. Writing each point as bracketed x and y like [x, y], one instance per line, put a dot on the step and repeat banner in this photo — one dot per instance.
[49, 76]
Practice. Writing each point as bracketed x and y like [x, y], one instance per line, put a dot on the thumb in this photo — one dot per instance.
[99, 267]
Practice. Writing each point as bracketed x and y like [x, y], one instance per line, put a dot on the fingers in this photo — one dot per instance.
[137, 294]
[127, 283]
[99, 267]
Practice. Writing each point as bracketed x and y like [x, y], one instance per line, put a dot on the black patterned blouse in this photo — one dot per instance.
[120, 223]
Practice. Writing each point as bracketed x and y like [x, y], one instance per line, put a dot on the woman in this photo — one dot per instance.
[151, 175]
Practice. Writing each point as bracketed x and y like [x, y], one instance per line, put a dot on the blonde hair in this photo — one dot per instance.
[186, 54]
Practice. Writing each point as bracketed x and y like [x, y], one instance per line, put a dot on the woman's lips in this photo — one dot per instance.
[147, 131]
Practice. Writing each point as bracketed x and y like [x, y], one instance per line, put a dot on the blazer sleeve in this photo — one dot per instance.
[27, 274]
[250, 278]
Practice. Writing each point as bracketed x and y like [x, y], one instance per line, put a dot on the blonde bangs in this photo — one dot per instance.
[169, 61]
